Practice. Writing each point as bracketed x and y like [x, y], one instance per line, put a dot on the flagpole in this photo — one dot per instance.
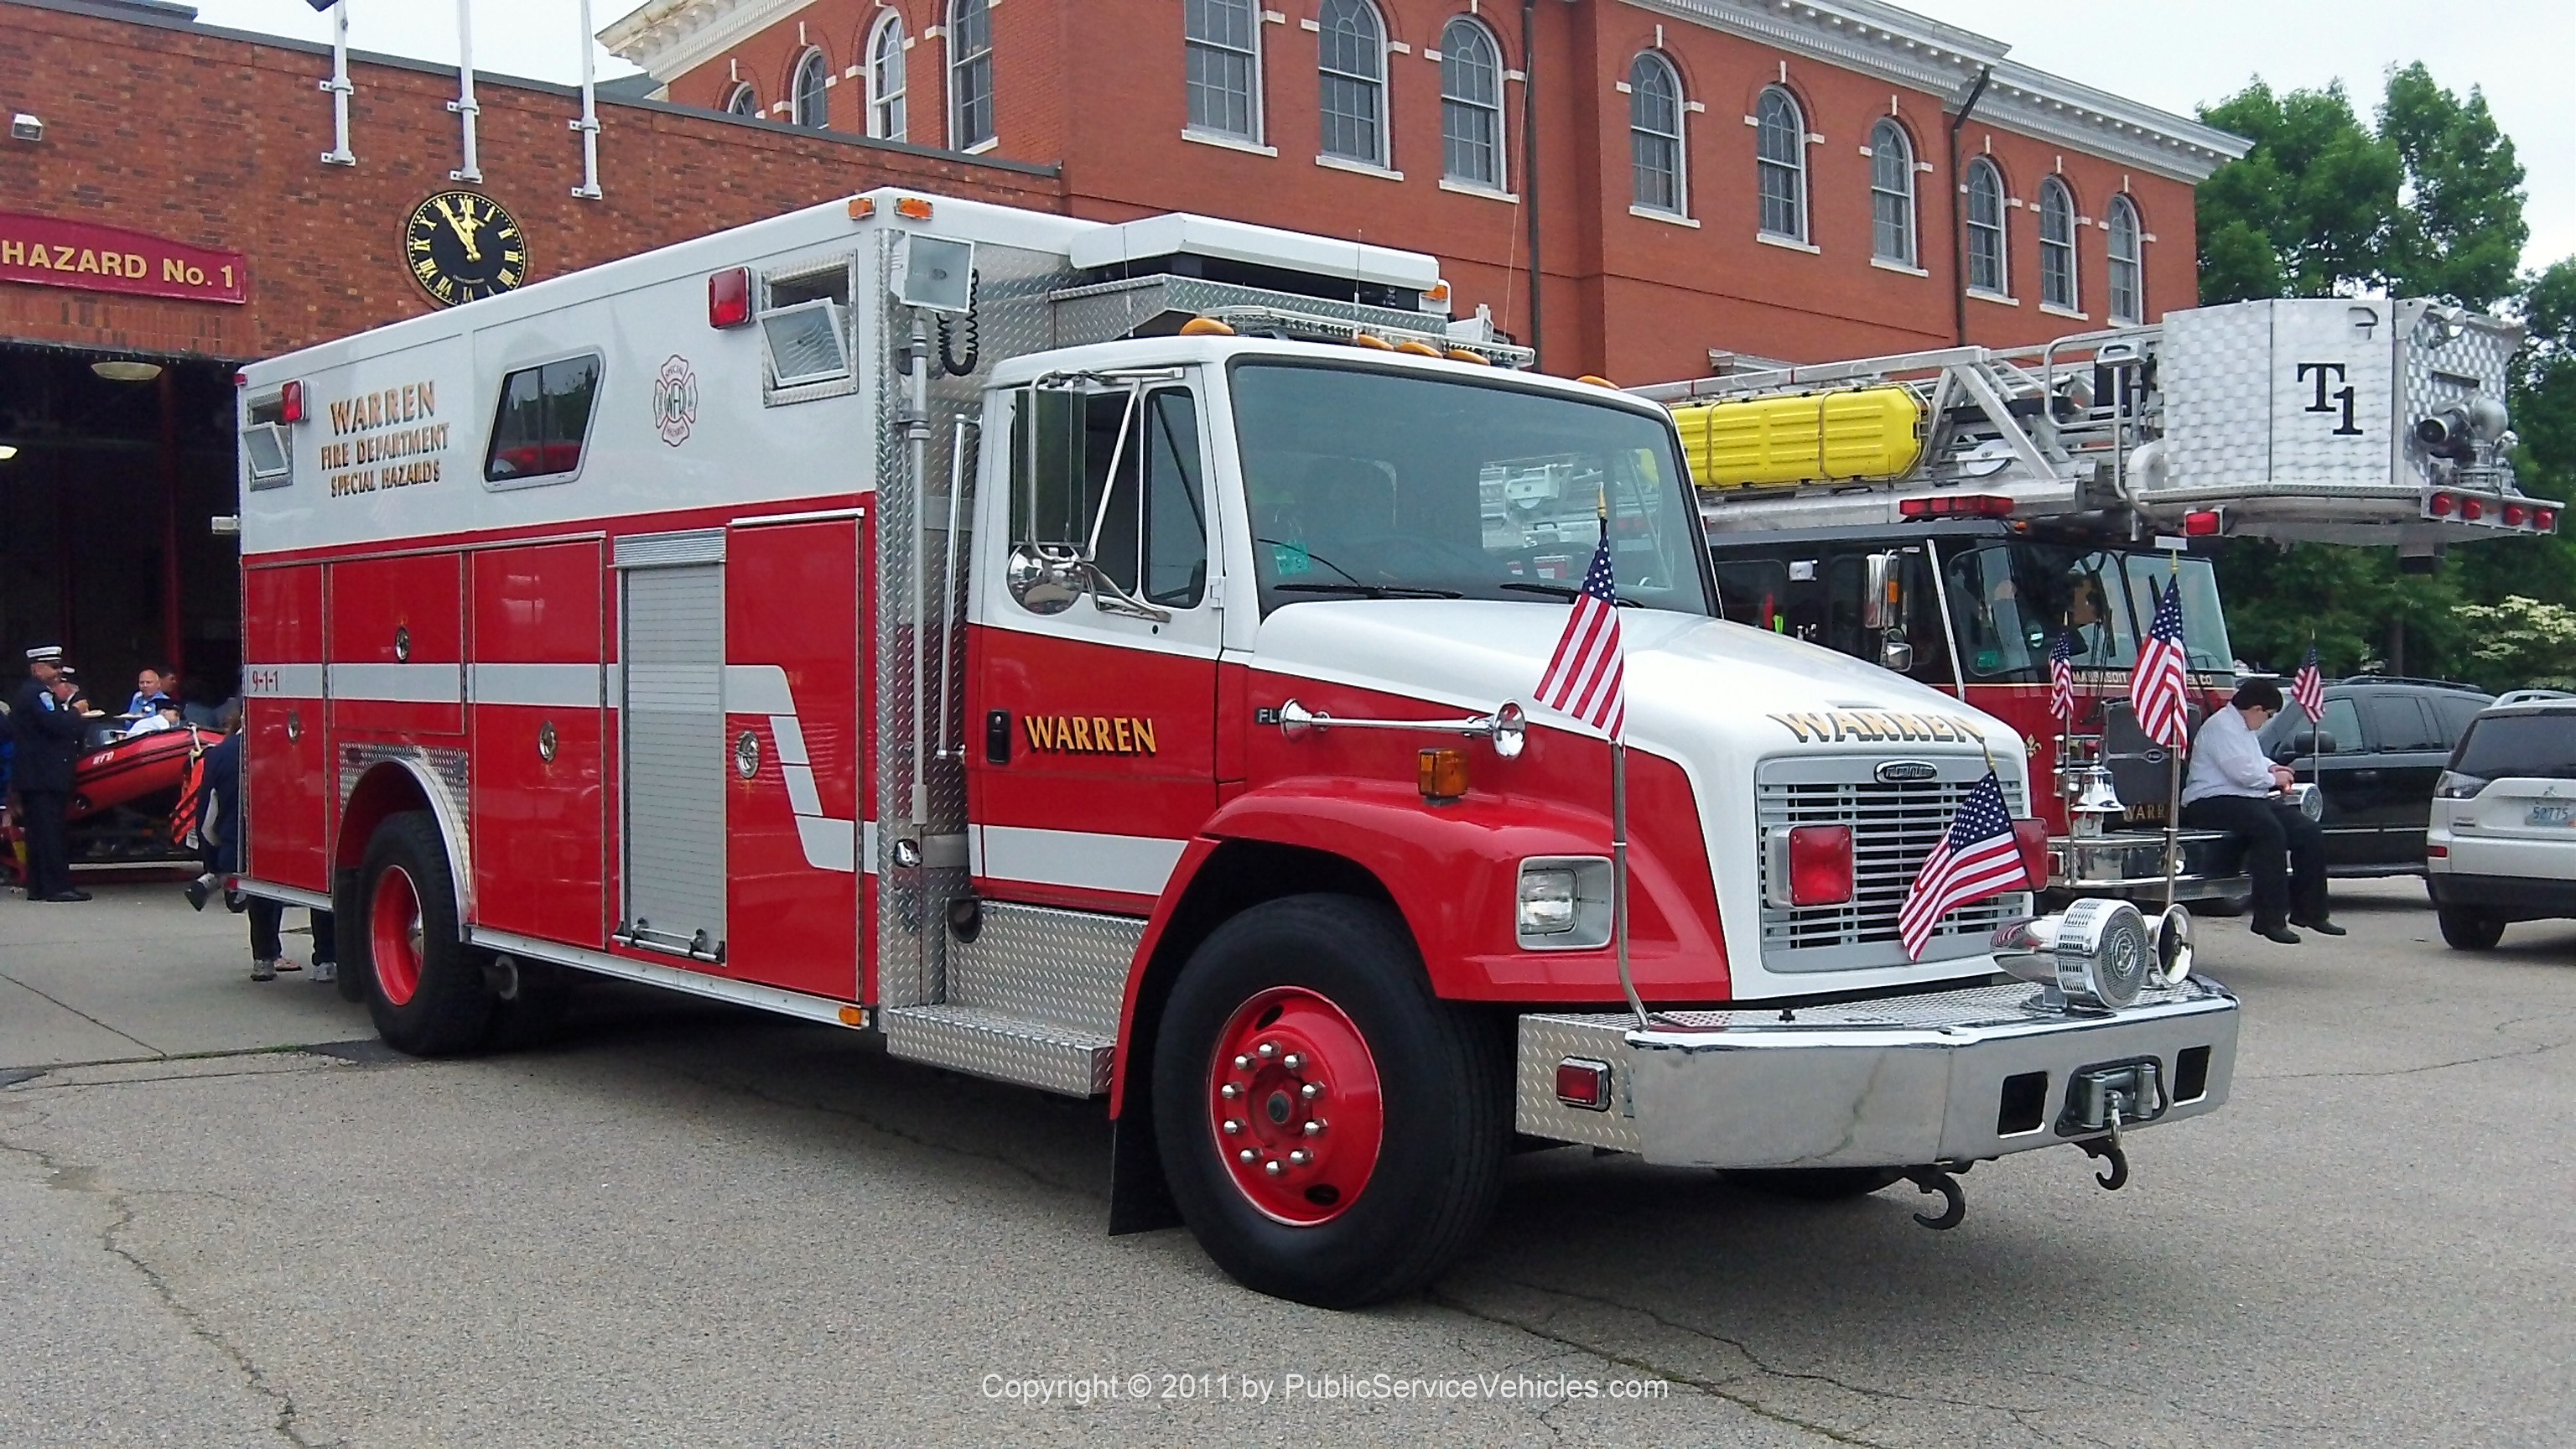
[2173, 766]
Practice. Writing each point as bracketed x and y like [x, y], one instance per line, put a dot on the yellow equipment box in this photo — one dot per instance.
[1819, 437]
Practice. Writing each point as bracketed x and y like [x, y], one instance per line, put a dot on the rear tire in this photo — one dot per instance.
[2470, 930]
[1410, 1104]
[425, 986]
[1814, 1184]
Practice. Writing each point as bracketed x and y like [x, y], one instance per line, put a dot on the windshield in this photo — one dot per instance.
[2010, 599]
[1375, 484]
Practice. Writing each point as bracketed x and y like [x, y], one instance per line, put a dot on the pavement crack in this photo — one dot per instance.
[2537, 1049]
[83, 1015]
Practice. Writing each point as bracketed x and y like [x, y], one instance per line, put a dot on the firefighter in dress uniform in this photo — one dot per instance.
[49, 717]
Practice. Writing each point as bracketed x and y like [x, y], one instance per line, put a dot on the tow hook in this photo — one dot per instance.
[1954, 1203]
[2115, 1176]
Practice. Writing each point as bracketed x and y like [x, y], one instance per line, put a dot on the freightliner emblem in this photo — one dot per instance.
[1905, 772]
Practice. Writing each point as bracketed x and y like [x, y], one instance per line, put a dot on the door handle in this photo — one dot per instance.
[997, 737]
[2365, 775]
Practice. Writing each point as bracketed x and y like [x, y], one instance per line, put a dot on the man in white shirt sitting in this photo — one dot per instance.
[2234, 788]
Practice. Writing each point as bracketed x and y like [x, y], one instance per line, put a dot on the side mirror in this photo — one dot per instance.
[1895, 654]
[1878, 591]
[2302, 744]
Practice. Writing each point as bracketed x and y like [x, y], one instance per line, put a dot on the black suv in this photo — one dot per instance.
[2385, 742]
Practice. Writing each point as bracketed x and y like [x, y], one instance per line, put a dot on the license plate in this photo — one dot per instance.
[2558, 815]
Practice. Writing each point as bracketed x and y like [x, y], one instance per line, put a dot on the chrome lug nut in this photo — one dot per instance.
[1292, 1061]
[1272, 1167]
[1269, 1049]
[1301, 1157]
[1242, 1063]
[1310, 1091]
[1229, 1091]
[1232, 1127]
[1314, 1127]
[1247, 1157]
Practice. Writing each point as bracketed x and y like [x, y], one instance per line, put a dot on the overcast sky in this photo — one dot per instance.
[2172, 53]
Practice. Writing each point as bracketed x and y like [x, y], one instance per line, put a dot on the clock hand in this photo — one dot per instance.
[465, 227]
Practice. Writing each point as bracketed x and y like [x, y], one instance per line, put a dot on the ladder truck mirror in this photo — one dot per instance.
[1881, 601]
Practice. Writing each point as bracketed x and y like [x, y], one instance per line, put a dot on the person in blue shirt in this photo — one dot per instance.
[220, 815]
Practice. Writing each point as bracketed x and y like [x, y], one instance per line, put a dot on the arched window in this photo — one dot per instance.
[886, 79]
[1219, 36]
[970, 74]
[1986, 269]
[1471, 104]
[1780, 163]
[742, 100]
[2128, 277]
[1655, 134]
[1353, 67]
[812, 100]
[1891, 193]
[2057, 244]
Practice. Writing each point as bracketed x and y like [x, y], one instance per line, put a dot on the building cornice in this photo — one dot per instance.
[670, 38]
[1923, 54]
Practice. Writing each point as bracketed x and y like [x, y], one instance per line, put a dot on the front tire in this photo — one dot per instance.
[425, 986]
[2469, 930]
[1368, 1119]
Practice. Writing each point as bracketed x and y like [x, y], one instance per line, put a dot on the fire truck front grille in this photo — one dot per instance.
[1894, 826]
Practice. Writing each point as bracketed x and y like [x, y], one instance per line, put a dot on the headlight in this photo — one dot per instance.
[2455, 786]
[1562, 903]
[2097, 952]
[1547, 902]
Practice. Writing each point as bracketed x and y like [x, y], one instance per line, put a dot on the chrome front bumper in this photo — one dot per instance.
[1947, 1077]
[2130, 864]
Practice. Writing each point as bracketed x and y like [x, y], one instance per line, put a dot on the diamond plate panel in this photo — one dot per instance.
[984, 1043]
[1063, 968]
[1548, 1040]
[2443, 366]
[912, 550]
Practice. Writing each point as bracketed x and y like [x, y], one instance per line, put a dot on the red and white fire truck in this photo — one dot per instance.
[1099, 657]
[1950, 513]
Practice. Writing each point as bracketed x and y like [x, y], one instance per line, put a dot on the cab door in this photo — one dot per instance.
[1092, 709]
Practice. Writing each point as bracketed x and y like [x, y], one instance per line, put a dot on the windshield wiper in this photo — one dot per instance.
[1370, 591]
[1561, 591]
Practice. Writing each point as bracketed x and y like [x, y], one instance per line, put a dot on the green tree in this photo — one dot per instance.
[2458, 230]
[2521, 641]
[2308, 212]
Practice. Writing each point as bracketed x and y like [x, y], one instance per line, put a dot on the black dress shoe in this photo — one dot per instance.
[2277, 931]
[68, 896]
[198, 890]
[2322, 928]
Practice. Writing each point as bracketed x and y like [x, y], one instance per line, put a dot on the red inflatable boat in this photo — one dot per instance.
[122, 798]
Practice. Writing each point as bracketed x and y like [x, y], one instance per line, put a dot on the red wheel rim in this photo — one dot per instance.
[394, 933]
[1295, 1106]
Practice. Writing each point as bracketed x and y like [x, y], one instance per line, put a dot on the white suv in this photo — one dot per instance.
[2502, 843]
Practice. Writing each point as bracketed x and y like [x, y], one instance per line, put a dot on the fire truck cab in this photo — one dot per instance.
[1950, 514]
[1100, 657]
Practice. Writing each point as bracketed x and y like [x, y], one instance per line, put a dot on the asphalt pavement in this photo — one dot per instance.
[227, 1218]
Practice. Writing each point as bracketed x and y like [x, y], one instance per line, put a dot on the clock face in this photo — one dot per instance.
[461, 246]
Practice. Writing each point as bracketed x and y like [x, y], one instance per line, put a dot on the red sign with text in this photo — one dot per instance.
[51, 252]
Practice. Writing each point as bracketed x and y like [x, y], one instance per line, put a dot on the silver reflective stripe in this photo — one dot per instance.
[566, 686]
[674, 779]
[399, 683]
[1136, 864]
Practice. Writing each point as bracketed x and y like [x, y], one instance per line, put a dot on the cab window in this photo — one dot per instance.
[1126, 480]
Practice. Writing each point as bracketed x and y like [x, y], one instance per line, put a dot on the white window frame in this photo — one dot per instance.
[742, 100]
[1891, 147]
[1376, 83]
[1678, 136]
[2056, 195]
[888, 112]
[2001, 228]
[2135, 261]
[818, 65]
[1765, 164]
[965, 63]
[1500, 177]
[1251, 56]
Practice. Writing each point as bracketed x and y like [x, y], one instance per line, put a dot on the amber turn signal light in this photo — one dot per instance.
[1443, 774]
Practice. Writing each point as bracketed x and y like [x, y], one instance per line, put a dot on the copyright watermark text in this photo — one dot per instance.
[1084, 1390]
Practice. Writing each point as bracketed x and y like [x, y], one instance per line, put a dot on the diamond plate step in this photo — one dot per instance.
[985, 1042]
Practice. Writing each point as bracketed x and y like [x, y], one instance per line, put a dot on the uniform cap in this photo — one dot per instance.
[45, 654]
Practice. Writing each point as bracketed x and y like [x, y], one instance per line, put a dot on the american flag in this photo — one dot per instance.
[2158, 686]
[1584, 677]
[2309, 689]
[1977, 858]
[2061, 678]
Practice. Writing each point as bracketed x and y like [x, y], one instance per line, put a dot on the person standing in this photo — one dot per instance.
[2234, 788]
[222, 799]
[48, 717]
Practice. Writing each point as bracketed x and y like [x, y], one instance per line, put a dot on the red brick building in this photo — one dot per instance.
[1762, 176]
